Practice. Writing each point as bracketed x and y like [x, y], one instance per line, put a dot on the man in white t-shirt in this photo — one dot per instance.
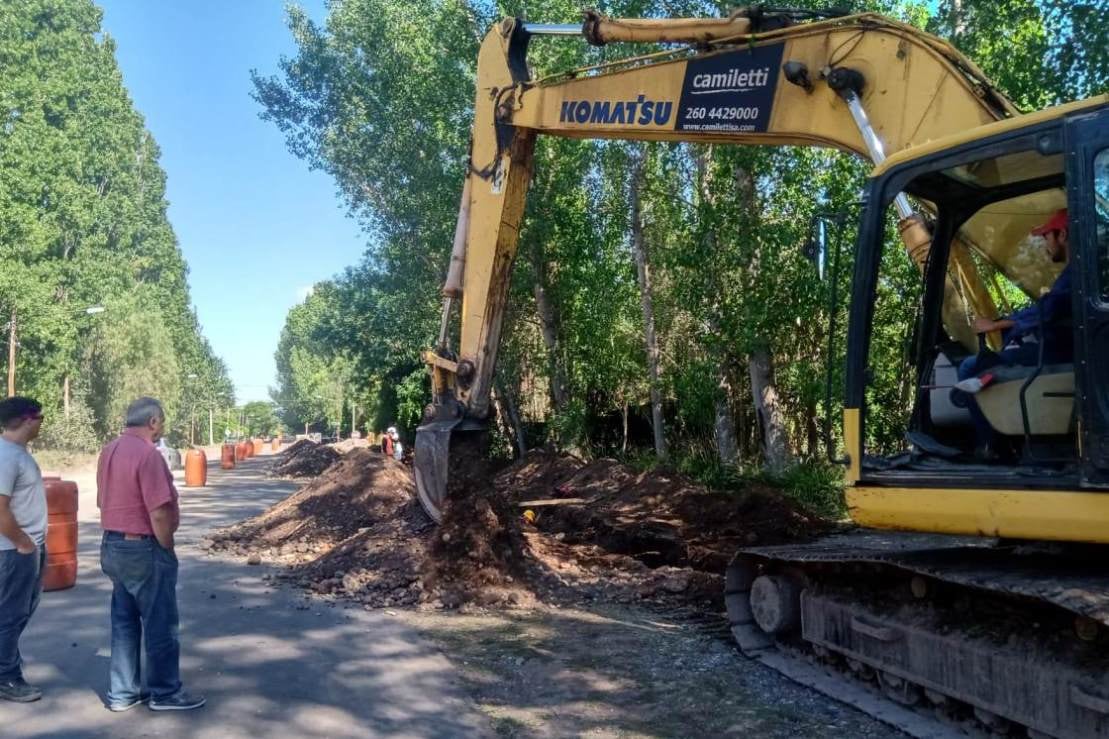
[22, 539]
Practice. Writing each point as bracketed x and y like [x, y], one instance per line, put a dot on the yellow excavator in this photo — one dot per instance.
[975, 588]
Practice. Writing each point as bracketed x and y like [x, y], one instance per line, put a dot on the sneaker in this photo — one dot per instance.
[180, 702]
[974, 385]
[19, 691]
[121, 707]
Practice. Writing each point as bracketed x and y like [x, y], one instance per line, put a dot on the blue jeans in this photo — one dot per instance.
[144, 603]
[20, 588]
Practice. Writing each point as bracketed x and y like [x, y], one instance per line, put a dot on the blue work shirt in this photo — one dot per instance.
[1056, 306]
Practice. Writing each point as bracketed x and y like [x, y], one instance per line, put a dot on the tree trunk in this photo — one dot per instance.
[624, 443]
[812, 430]
[774, 444]
[65, 396]
[724, 421]
[548, 322]
[724, 424]
[958, 22]
[512, 415]
[643, 268]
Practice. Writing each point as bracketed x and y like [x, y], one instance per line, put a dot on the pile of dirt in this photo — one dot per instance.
[304, 459]
[615, 533]
[347, 445]
[358, 532]
[478, 553]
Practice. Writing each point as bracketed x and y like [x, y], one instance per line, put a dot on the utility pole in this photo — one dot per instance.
[211, 425]
[11, 355]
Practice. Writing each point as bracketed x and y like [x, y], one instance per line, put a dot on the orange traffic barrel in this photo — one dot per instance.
[275, 445]
[240, 451]
[249, 447]
[61, 534]
[259, 446]
[227, 457]
[196, 468]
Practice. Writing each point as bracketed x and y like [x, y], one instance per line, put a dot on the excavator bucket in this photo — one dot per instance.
[433, 446]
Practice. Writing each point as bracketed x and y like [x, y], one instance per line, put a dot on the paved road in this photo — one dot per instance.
[267, 668]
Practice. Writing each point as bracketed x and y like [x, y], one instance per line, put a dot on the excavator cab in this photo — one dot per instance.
[1050, 408]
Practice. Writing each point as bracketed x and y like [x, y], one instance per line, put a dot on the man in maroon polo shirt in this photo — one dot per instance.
[139, 515]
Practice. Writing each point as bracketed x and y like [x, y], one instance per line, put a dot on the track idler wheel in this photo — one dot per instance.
[776, 604]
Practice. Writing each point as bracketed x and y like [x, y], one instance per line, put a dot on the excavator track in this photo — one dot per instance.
[936, 635]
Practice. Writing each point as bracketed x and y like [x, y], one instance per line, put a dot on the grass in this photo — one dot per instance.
[60, 460]
[816, 486]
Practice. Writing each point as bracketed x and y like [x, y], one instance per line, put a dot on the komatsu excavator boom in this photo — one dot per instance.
[996, 607]
[861, 83]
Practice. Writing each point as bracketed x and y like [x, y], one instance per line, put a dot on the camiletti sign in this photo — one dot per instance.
[733, 91]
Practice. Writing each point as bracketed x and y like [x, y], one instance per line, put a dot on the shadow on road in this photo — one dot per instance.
[270, 664]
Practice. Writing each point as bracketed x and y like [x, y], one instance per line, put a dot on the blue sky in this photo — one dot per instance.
[256, 227]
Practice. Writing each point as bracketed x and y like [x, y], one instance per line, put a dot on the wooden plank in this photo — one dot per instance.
[551, 501]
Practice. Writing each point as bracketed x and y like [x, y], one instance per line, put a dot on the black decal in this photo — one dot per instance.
[730, 92]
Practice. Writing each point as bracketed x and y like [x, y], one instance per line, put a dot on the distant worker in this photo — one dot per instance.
[387, 442]
[139, 514]
[398, 448]
[22, 539]
[1022, 330]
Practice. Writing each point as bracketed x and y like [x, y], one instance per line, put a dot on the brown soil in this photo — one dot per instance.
[357, 532]
[304, 459]
[651, 534]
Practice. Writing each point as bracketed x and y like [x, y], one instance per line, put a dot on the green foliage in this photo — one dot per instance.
[260, 419]
[412, 392]
[725, 229]
[1039, 52]
[83, 222]
[816, 486]
[75, 431]
[131, 355]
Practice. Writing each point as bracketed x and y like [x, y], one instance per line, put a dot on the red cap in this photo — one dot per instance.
[1057, 222]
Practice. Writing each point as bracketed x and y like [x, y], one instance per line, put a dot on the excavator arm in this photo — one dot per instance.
[860, 83]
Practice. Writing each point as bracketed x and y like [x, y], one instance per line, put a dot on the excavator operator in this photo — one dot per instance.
[1047, 321]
